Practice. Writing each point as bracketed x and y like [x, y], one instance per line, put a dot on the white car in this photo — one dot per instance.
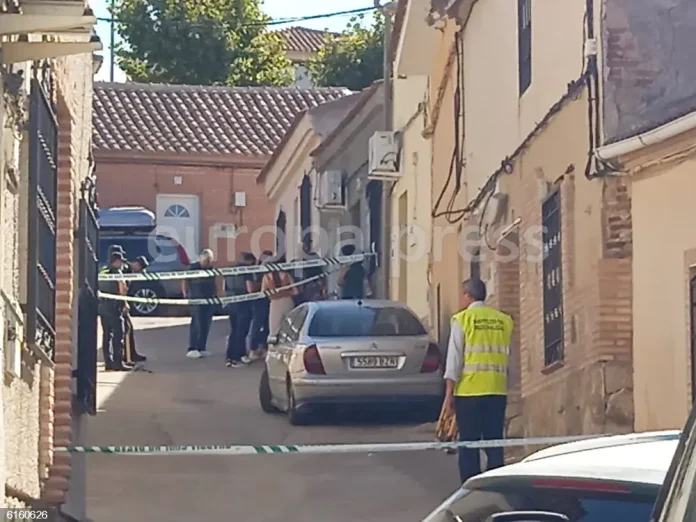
[607, 479]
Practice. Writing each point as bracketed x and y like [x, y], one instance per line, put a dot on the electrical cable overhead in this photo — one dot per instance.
[272, 22]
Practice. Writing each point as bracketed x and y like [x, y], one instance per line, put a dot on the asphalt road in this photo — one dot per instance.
[201, 402]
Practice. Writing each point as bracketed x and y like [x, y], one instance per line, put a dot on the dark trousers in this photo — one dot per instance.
[130, 353]
[201, 321]
[480, 418]
[240, 322]
[258, 331]
[112, 340]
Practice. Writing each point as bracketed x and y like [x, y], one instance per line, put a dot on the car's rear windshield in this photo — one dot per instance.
[156, 249]
[478, 505]
[364, 321]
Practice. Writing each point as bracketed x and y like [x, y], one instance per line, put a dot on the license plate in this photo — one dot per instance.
[376, 361]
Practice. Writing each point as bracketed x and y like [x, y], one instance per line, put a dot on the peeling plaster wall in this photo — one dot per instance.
[649, 73]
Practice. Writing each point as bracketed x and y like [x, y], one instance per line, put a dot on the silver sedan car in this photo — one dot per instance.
[332, 354]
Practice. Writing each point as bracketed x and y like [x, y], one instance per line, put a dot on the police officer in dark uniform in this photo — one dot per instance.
[111, 313]
[106, 339]
[139, 264]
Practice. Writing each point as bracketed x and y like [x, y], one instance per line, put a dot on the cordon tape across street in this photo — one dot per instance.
[208, 300]
[237, 270]
[323, 449]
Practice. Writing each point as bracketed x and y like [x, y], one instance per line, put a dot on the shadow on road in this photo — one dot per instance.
[201, 402]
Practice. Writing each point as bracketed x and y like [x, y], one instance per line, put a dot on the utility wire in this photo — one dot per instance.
[277, 21]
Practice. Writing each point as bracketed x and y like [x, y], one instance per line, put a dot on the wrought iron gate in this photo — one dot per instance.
[41, 266]
[88, 303]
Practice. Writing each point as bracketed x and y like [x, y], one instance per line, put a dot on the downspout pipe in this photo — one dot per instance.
[652, 137]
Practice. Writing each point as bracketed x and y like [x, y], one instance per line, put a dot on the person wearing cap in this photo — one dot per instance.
[139, 264]
[202, 314]
[111, 314]
[125, 266]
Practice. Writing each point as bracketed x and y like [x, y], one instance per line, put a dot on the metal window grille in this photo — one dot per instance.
[42, 199]
[88, 302]
[553, 279]
[524, 43]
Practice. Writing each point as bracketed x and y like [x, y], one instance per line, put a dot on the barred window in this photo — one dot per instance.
[553, 279]
[524, 43]
[42, 226]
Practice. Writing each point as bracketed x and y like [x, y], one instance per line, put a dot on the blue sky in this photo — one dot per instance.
[274, 8]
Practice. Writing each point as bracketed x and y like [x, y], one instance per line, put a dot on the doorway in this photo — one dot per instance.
[403, 248]
[178, 218]
[306, 213]
[373, 192]
[280, 233]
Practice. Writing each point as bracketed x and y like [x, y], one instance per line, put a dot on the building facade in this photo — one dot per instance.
[302, 44]
[296, 189]
[649, 123]
[48, 343]
[192, 154]
[346, 150]
[515, 202]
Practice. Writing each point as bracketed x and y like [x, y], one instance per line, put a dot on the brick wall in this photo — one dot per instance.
[646, 83]
[618, 224]
[57, 396]
[121, 183]
[590, 391]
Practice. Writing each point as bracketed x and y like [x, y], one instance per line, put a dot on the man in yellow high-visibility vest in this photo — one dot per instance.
[476, 374]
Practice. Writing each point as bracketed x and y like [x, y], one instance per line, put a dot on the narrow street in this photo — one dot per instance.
[202, 402]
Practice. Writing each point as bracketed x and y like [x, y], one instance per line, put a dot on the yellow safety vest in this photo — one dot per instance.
[487, 334]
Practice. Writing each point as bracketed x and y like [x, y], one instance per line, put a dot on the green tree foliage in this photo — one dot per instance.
[352, 59]
[199, 42]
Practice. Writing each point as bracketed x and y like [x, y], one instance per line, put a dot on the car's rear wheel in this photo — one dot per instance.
[147, 292]
[265, 395]
[294, 417]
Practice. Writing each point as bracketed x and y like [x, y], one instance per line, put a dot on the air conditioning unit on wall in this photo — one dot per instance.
[383, 160]
[332, 194]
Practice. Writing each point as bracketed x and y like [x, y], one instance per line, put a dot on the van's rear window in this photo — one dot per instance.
[364, 321]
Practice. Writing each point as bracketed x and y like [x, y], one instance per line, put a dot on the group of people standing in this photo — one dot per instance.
[252, 322]
[118, 334]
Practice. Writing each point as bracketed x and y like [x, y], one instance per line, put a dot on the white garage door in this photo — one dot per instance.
[178, 217]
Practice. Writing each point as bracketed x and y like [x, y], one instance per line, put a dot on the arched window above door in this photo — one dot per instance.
[177, 211]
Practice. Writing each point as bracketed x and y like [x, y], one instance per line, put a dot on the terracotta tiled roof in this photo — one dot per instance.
[248, 121]
[303, 40]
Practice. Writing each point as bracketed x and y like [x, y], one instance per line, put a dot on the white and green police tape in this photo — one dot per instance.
[322, 449]
[209, 300]
[237, 270]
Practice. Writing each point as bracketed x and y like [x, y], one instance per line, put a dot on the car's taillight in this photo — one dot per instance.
[583, 485]
[432, 359]
[183, 256]
[312, 361]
